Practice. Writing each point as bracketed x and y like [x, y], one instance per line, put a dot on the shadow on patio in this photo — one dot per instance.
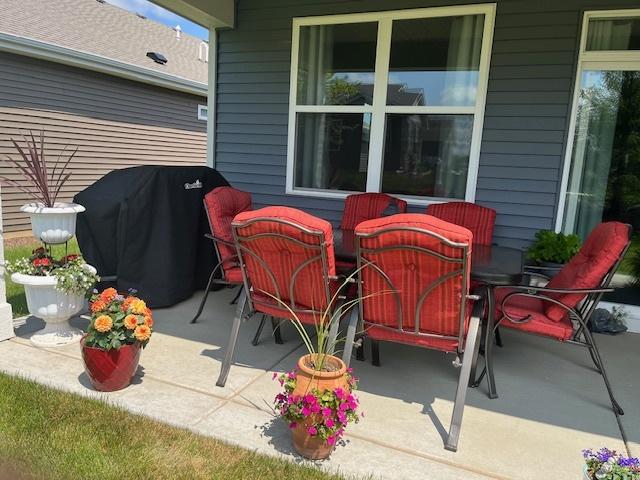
[552, 403]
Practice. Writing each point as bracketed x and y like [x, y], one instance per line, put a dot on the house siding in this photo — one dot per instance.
[528, 106]
[115, 123]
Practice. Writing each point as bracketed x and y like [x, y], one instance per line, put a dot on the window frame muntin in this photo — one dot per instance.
[379, 109]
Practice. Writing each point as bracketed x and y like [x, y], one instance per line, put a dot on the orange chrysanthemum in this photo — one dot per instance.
[138, 306]
[148, 320]
[108, 295]
[142, 333]
[126, 304]
[130, 322]
[98, 306]
[103, 323]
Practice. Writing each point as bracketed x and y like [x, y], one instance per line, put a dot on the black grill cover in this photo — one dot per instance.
[146, 225]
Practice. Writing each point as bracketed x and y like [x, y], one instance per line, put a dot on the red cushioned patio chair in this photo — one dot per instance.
[562, 309]
[366, 206]
[221, 205]
[287, 254]
[480, 220]
[414, 289]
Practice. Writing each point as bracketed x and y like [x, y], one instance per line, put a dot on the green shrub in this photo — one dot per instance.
[635, 267]
[554, 247]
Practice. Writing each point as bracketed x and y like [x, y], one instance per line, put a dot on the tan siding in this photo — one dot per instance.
[115, 123]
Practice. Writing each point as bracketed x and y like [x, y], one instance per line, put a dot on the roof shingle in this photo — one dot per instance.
[102, 29]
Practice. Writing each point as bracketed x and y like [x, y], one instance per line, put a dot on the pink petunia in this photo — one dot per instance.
[329, 423]
[310, 399]
[291, 375]
[343, 407]
[312, 431]
[339, 393]
[342, 417]
[331, 440]
[315, 408]
[306, 411]
[326, 411]
[275, 375]
[293, 425]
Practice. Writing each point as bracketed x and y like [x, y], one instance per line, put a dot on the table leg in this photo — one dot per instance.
[488, 342]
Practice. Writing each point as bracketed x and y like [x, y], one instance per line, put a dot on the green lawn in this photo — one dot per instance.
[48, 434]
[22, 248]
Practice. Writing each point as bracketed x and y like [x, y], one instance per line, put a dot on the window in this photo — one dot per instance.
[389, 102]
[203, 112]
[602, 170]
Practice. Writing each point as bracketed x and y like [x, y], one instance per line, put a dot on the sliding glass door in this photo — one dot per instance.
[604, 171]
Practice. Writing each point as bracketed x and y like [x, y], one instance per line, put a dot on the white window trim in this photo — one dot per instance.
[379, 107]
[201, 114]
[597, 60]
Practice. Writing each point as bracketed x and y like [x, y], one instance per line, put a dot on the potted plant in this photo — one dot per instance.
[317, 400]
[52, 222]
[553, 250]
[607, 464]
[121, 325]
[55, 292]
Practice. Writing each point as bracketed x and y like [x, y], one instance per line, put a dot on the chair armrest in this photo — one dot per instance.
[220, 240]
[533, 289]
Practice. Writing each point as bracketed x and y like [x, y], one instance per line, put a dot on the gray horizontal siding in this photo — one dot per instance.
[115, 123]
[526, 119]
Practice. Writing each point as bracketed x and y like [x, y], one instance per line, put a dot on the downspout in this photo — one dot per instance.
[211, 98]
[6, 316]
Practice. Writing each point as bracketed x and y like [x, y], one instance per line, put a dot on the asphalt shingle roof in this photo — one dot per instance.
[106, 30]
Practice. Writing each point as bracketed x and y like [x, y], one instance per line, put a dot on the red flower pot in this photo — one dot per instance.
[110, 370]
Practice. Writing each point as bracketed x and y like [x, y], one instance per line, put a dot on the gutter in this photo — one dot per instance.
[97, 63]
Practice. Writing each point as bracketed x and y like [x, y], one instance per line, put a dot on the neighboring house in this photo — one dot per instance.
[79, 70]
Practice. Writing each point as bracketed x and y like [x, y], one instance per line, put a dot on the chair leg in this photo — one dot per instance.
[233, 338]
[351, 335]
[498, 337]
[473, 338]
[206, 294]
[256, 337]
[275, 325]
[333, 331]
[235, 299]
[596, 355]
[375, 353]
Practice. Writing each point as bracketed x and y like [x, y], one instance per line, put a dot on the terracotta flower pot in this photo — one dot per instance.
[110, 370]
[314, 447]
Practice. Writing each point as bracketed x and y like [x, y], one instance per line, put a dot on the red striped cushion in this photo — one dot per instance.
[222, 204]
[271, 262]
[480, 220]
[366, 206]
[600, 252]
[411, 273]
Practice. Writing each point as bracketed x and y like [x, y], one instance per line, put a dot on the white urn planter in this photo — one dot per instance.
[52, 306]
[55, 224]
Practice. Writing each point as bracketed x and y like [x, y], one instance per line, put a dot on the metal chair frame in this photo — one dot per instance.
[470, 344]
[581, 314]
[246, 297]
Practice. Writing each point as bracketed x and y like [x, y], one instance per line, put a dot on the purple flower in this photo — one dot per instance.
[312, 431]
[274, 376]
[629, 462]
[291, 375]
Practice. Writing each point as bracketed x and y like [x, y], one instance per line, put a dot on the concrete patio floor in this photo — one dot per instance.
[552, 403]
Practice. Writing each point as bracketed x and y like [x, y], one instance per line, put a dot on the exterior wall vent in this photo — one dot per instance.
[157, 57]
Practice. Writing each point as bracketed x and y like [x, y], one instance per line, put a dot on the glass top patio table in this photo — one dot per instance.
[490, 264]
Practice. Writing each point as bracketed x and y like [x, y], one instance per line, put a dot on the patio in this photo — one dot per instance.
[544, 416]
